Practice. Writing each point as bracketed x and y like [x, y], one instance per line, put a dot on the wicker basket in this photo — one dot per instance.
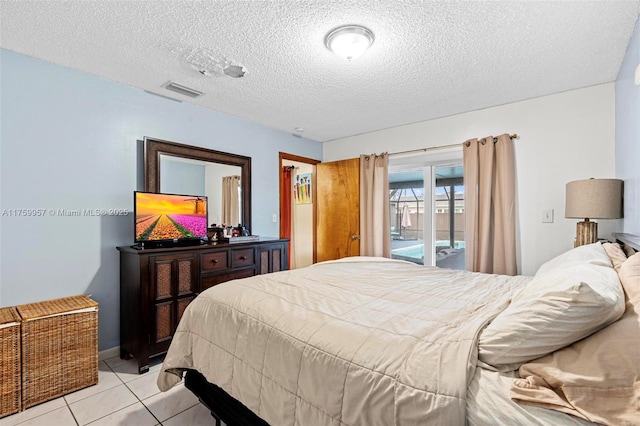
[59, 348]
[9, 361]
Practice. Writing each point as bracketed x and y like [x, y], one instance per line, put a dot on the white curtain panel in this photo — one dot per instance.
[490, 217]
[375, 238]
[230, 200]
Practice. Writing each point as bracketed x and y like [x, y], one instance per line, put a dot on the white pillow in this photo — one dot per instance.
[590, 253]
[570, 297]
[597, 378]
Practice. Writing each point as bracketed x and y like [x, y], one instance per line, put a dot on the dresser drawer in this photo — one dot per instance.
[214, 261]
[242, 257]
[212, 280]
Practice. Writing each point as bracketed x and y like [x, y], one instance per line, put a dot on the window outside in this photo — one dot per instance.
[407, 209]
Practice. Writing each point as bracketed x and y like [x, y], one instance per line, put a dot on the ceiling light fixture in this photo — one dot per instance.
[349, 41]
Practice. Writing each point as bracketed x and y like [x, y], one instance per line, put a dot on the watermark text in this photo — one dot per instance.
[31, 212]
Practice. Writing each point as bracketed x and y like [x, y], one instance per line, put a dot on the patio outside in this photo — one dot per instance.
[407, 217]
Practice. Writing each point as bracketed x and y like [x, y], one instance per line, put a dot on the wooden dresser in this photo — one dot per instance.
[156, 285]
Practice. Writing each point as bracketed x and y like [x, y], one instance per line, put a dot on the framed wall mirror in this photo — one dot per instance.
[176, 168]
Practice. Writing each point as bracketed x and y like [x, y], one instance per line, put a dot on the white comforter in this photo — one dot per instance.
[359, 341]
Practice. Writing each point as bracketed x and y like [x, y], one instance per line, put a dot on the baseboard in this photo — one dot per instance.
[109, 353]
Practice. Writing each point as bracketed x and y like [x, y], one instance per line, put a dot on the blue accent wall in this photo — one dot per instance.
[628, 135]
[69, 143]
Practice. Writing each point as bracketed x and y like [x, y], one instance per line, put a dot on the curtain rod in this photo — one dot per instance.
[513, 136]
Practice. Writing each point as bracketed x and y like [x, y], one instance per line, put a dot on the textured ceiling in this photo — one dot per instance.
[430, 58]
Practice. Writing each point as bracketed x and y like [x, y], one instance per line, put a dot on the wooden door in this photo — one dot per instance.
[338, 209]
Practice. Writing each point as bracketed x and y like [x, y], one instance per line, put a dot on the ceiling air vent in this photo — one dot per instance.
[183, 90]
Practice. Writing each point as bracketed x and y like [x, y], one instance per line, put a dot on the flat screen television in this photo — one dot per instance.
[165, 220]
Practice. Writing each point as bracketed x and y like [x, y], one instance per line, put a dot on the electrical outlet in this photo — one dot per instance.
[274, 218]
[547, 215]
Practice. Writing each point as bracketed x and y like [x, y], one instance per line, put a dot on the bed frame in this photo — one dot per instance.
[225, 408]
[630, 240]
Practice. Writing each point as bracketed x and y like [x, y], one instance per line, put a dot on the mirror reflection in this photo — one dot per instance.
[197, 170]
[221, 184]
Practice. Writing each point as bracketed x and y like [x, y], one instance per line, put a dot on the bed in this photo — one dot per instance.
[374, 341]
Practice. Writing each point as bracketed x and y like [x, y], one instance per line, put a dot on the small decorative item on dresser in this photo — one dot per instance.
[10, 390]
[240, 231]
[215, 234]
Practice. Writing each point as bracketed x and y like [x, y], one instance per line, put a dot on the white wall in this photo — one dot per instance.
[628, 135]
[69, 141]
[562, 137]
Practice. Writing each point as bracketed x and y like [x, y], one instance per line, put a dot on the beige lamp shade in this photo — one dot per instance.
[592, 199]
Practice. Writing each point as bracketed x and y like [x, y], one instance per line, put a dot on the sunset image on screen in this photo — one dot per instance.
[163, 216]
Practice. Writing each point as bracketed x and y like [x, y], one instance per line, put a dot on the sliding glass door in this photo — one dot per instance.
[449, 217]
[406, 203]
[427, 211]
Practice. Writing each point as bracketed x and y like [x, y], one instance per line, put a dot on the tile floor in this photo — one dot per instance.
[121, 397]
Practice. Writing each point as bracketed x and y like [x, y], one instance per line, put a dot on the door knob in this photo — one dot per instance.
[355, 237]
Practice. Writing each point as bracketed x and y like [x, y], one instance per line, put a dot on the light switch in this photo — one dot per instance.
[274, 218]
[547, 215]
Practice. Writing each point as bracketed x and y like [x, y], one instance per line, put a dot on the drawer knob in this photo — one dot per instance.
[243, 257]
[215, 260]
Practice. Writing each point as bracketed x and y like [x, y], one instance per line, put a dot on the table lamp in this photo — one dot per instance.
[592, 199]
